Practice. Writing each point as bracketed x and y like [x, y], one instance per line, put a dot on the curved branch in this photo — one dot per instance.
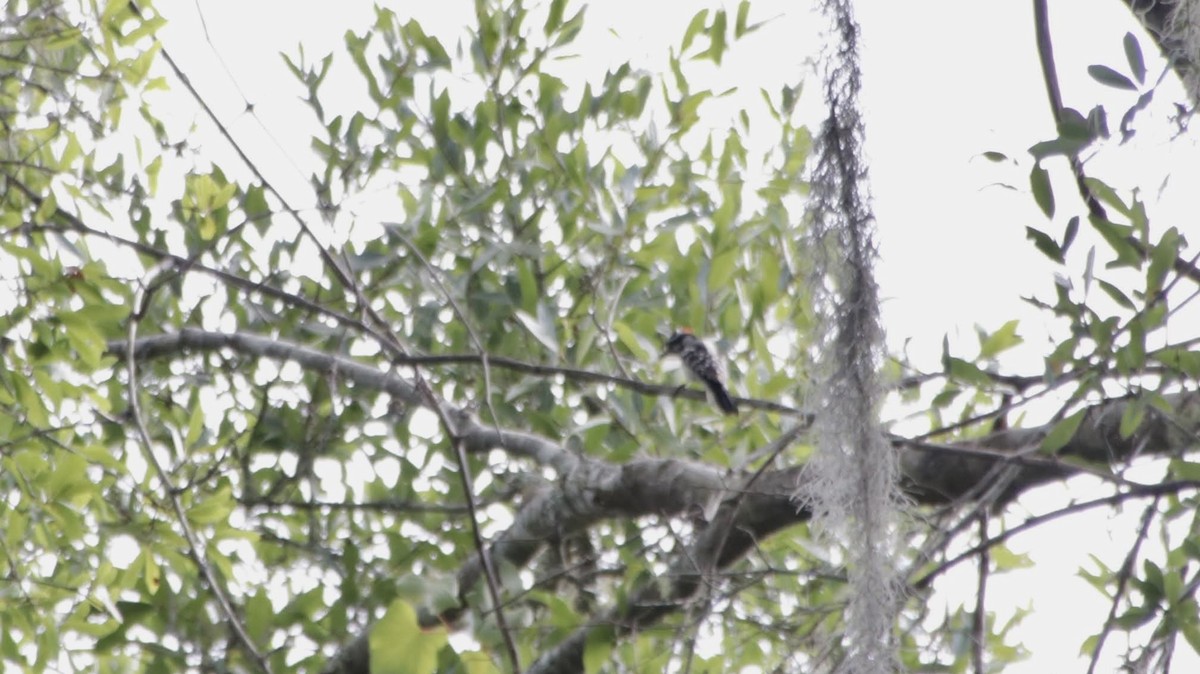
[315, 360]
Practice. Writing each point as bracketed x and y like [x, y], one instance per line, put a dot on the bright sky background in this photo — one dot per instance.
[945, 81]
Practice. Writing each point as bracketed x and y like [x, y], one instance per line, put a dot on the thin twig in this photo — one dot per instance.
[1024, 456]
[582, 375]
[461, 455]
[606, 330]
[1123, 576]
[1146, 491]
[779, 445]
[480, 351]
[194, 548]
[979, 619]
[160, 255]
[387, 505]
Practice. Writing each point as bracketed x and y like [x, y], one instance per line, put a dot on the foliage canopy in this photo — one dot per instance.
[242, 435]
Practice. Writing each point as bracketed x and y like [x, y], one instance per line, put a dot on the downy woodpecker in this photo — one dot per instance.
[701, 365]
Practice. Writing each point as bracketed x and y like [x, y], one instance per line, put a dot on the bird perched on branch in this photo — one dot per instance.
[701, 365]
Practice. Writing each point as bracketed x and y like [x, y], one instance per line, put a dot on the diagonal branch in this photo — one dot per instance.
[195, 549]
[1123, 576]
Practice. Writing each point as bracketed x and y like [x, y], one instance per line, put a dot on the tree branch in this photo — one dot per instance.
[197, 339]
[590, 490]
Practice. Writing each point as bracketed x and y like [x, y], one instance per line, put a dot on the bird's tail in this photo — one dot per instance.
[722, 398]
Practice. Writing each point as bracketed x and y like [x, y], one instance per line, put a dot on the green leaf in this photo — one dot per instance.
[478, 662]
[1133, 54]
[1131, 418]
[1152, 582]
[69, 478]
[687, 112]
[84, 338]
[1162, 260]
[966, 371]
[1191, 632]
[1117, 295]
[945, 397]
[112, 8]
[1073, 126]
[1184, 470]
[1070, 232]
[215, 509]
[1045, 243]
[720, 274]
[528, 285]
[35, 410]
[151, 572]
[45, 210]
[147, 26]
[254, 205]
[542, 327]
[1134, 618]
[1097, 121]
[1108, 195]
[1001, 340]
[195, 425]
[259, 616]
[554, 17]
[73, 150]
[598, 648]
[64, 38]
[398, 645]
[1067, 146]
[1039, 182]
[628, 337]
[1061, 434]
[1007, 560]
[1134, 353]
[1181, 360]
[1118, 239]
[570, 28]
[694, 27]
[716, 34]
[743, 14]
[1109, 77]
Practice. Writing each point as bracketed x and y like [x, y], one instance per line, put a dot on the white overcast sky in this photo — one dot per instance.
[944, 82]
